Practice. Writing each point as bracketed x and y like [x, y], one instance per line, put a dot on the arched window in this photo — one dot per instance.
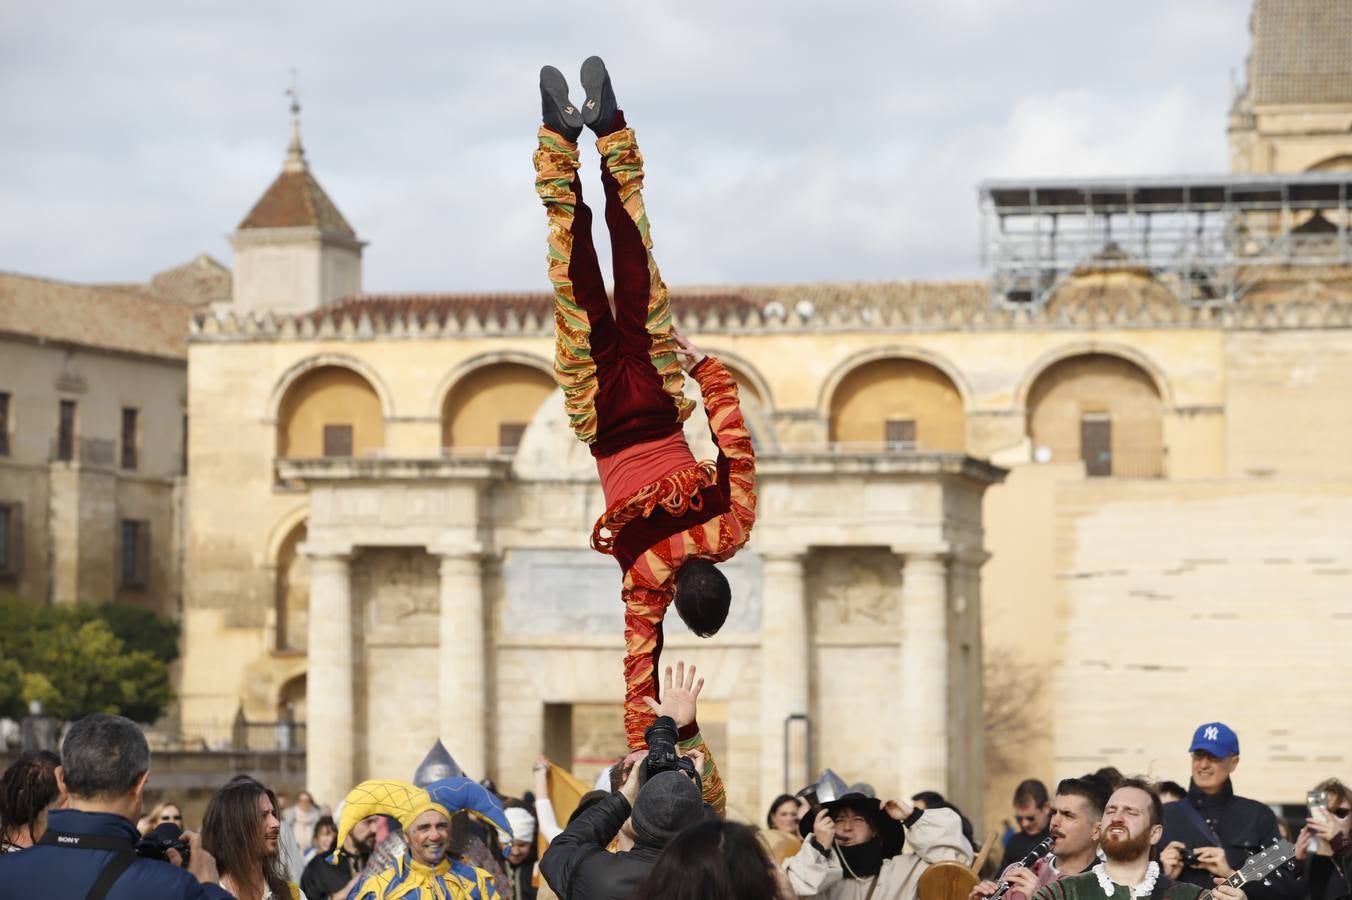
[905, 403]
[491, 406]
[330, 411]
[1100, 409]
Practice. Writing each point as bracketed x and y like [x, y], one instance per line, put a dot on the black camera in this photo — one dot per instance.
[1190, 858]
[158, 843]
[662, 755]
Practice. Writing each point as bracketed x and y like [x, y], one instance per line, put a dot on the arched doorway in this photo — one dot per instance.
[292, 593]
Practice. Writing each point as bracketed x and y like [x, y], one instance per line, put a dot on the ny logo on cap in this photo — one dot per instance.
[1211, 733]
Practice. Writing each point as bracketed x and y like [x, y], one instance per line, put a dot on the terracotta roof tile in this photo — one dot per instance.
[823, 299]
[296, 200]
[110, 318]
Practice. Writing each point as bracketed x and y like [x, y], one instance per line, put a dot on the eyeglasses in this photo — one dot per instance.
[1340, 813]
[168, 818]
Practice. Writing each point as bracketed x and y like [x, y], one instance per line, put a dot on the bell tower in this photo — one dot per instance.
[1295, 112]
[294, 251]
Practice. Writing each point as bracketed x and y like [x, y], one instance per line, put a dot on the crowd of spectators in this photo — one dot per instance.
[654, 827]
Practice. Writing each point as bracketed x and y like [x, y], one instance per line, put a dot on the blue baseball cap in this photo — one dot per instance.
[1215, 738]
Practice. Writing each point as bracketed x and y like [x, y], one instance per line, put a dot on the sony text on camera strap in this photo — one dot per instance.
[123, 856]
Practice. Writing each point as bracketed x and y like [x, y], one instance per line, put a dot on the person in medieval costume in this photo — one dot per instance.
[468, 837]
[428, 871]
[668, 518]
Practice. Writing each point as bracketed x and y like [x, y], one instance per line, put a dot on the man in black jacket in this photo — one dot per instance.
[577, 865]
[1211, 832]
[105, 762]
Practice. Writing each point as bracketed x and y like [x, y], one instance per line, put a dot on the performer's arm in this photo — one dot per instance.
[644, 608]
[710, 780]
[736, 455]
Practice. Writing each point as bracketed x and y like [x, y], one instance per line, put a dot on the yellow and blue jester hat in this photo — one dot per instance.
[399, 799]
[460, 794]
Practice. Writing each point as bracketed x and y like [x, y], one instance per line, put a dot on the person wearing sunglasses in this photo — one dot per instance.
[1324, 845]
[166, 812]
[1032, 819]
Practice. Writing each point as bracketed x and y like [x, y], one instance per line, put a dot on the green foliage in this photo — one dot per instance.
[76, 661]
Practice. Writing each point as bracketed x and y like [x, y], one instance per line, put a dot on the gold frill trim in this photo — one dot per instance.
[677, 494]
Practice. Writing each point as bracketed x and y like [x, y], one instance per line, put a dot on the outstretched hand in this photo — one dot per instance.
[689, 355]
[679, 699]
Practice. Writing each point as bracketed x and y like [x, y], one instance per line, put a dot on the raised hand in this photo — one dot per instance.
[824, 828]
[679, 698]
[689, 355]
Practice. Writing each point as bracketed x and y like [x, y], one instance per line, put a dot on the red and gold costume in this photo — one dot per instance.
[622, 384]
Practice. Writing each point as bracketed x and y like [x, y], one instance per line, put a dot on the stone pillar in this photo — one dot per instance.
[331, 740]
[924, 739]
[785, 665]
[463, 680]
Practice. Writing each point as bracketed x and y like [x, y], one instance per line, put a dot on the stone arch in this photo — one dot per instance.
[320, 360]
[1101, 409]
[488, 400]
[893, 351]
[1085, 348]
[895, 394]
[1339, 162]
[291, 590]
[746, 375]
[329, 409]
[292, 693]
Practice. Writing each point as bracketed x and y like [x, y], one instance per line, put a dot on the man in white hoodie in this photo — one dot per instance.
[855, 849]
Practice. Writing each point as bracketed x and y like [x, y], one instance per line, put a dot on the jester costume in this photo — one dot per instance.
[622, 386]
[409, 879]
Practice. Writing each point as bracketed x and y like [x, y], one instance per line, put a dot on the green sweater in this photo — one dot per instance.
[1087, 886]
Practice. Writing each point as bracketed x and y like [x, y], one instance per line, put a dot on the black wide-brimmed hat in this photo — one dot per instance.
[888, 830]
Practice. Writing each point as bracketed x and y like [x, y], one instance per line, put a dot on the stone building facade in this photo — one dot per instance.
[93, 395]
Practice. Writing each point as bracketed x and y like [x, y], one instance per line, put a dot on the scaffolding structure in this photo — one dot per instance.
[1207, 240]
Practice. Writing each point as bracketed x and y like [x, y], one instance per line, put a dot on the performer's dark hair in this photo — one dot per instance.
[702, 596]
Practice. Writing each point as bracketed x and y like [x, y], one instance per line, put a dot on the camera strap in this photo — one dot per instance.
[123, 856]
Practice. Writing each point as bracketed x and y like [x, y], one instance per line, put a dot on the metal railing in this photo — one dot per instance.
[281, 736]
[85, 451]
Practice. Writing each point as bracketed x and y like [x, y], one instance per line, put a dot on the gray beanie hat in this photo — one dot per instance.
[668, 802]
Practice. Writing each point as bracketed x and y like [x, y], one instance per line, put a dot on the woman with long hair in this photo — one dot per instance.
[783, 814]
[714, 860]
[165, 812]
[241, 829]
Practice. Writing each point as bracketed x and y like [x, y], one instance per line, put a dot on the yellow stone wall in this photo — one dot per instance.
[1228, 402]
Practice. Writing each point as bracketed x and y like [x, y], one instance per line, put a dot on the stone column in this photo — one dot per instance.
[463, 679]
[331, 739]
[785, 664]
[923, 740]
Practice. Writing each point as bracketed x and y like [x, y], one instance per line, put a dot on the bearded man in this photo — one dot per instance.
[1132, 823]
[324, 880]
[242, 830]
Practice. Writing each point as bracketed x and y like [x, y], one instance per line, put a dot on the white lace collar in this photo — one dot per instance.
[1152, 874]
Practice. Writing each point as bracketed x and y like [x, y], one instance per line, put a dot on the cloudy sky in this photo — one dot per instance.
[786, 140]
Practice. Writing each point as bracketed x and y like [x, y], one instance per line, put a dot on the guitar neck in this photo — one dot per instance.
[1235, 880]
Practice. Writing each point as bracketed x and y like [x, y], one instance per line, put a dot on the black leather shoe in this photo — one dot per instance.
[598, 110]
[560, 114]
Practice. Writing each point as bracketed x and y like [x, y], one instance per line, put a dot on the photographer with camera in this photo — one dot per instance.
[660, 796]
[1210, 832]
[87, 852]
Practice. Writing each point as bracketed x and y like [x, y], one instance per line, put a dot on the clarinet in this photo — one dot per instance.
[1043, 849]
